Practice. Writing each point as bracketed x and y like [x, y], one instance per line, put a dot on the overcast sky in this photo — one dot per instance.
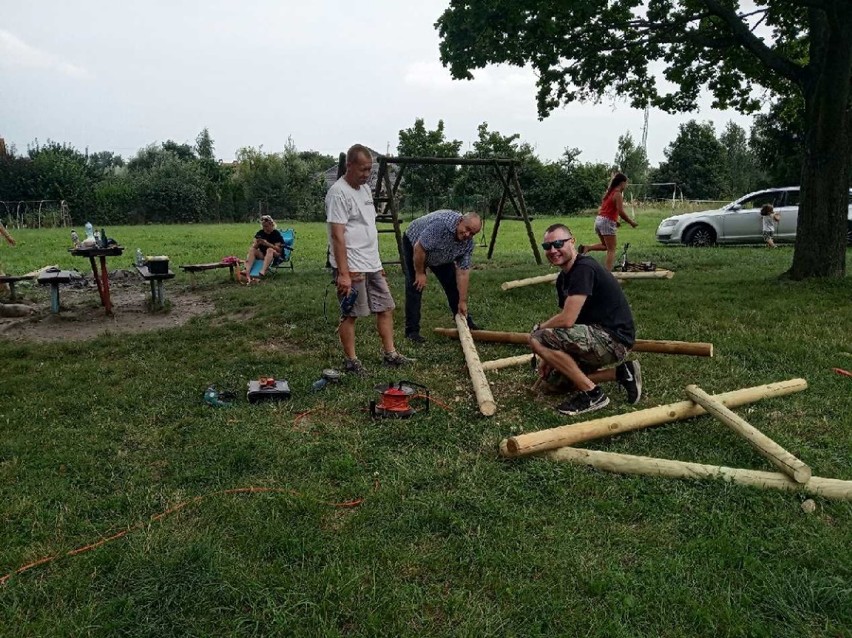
[111, 75]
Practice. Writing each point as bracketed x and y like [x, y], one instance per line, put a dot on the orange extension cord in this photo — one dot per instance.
[158, 517]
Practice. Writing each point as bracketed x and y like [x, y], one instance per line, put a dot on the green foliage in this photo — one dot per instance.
[280, 184]
[115, 201]
[62, 173]
[741, 174]
[479, 185]
[778, 140]
[204, 145]
[695, 160]
[426, 186]
[171, 191]
[631, 159]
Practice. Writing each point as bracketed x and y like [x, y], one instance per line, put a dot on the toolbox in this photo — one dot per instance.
[267, 389]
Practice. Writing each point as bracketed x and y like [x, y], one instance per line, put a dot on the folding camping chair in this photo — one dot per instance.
[284, 260]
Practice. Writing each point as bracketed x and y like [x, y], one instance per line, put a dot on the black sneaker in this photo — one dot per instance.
[354, 366]
[584, 402]
[416, 337]
[629, 375]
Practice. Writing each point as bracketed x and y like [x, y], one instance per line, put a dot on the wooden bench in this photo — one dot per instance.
[53, 279]
[158, 291]
[193, 269]
[12, 280]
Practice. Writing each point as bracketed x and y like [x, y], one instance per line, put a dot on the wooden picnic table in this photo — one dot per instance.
[102, 277]
[158, 292]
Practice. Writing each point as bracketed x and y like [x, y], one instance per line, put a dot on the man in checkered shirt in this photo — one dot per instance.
[443, 242]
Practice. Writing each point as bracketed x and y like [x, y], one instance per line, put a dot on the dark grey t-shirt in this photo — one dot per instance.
[605, 306]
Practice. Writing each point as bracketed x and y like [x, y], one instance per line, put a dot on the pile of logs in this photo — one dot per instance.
[794, 475]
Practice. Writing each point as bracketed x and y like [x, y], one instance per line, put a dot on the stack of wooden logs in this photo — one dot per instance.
[555, 443]
[795, 475]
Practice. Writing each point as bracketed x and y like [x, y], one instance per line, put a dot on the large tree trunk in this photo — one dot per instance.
[821, 233]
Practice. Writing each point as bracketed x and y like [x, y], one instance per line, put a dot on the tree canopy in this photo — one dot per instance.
[588, 49]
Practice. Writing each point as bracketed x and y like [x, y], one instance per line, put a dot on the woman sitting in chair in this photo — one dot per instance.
[266, 246]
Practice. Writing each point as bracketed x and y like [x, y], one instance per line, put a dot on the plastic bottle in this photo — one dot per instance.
[319, 384]
[90, 230]
[140, 260]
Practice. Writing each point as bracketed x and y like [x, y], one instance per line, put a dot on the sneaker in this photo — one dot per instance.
[629, 375]
[395, 360]
[354, 366]
[583, 402]
[416, 337]
[562, 386]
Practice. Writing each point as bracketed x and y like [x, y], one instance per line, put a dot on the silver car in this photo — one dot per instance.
[739, 222]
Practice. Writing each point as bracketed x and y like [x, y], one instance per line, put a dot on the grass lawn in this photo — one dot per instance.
[99, 436]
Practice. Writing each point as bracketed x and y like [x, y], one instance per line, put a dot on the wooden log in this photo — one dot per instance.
[553, 438]
[766, 447]
[696, 349]
[474, 367]
[529, 281]
[649, 466]
[621, 276]
[508, 362]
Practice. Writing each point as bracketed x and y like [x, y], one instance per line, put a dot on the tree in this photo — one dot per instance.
[695, 162]
[204, 145]
[778, 141]
[425, 186]
[631, 159]
[62, 173]
[740, 175]
[479, 184]
[587, 49]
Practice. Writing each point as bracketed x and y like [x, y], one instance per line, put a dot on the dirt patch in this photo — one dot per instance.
[82, 317]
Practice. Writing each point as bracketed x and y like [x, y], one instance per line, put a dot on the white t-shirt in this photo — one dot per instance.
[768, 223]
[355, 209]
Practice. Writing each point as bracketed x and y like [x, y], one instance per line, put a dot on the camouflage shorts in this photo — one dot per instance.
[592, 347]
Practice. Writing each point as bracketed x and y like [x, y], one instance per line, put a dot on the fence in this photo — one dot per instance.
[42, 213]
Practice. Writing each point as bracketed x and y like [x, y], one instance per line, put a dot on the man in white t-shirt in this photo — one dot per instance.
[354, 256]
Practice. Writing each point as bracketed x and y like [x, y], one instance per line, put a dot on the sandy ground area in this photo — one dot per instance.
[82, 316]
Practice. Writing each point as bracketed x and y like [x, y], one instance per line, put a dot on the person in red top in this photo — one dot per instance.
[612, 207]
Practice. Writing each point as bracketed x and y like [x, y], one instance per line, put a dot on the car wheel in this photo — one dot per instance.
[700, 235]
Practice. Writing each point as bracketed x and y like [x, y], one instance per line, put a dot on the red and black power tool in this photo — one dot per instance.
[395, 401]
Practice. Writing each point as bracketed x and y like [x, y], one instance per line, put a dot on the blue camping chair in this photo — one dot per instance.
[284, 260]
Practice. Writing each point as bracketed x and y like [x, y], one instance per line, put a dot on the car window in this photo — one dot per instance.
[792, 198]
[776, 198]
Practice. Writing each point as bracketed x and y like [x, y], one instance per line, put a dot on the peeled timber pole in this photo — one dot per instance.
[766, 447]
[546, 279]
[649, 466]
[474, 367]
[553, 438]
[508, 362]
[696, 349]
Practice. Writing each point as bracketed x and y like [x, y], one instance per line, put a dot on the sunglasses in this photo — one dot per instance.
[556, 243]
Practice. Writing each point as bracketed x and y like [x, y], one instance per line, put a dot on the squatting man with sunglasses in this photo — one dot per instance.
[594, 329]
